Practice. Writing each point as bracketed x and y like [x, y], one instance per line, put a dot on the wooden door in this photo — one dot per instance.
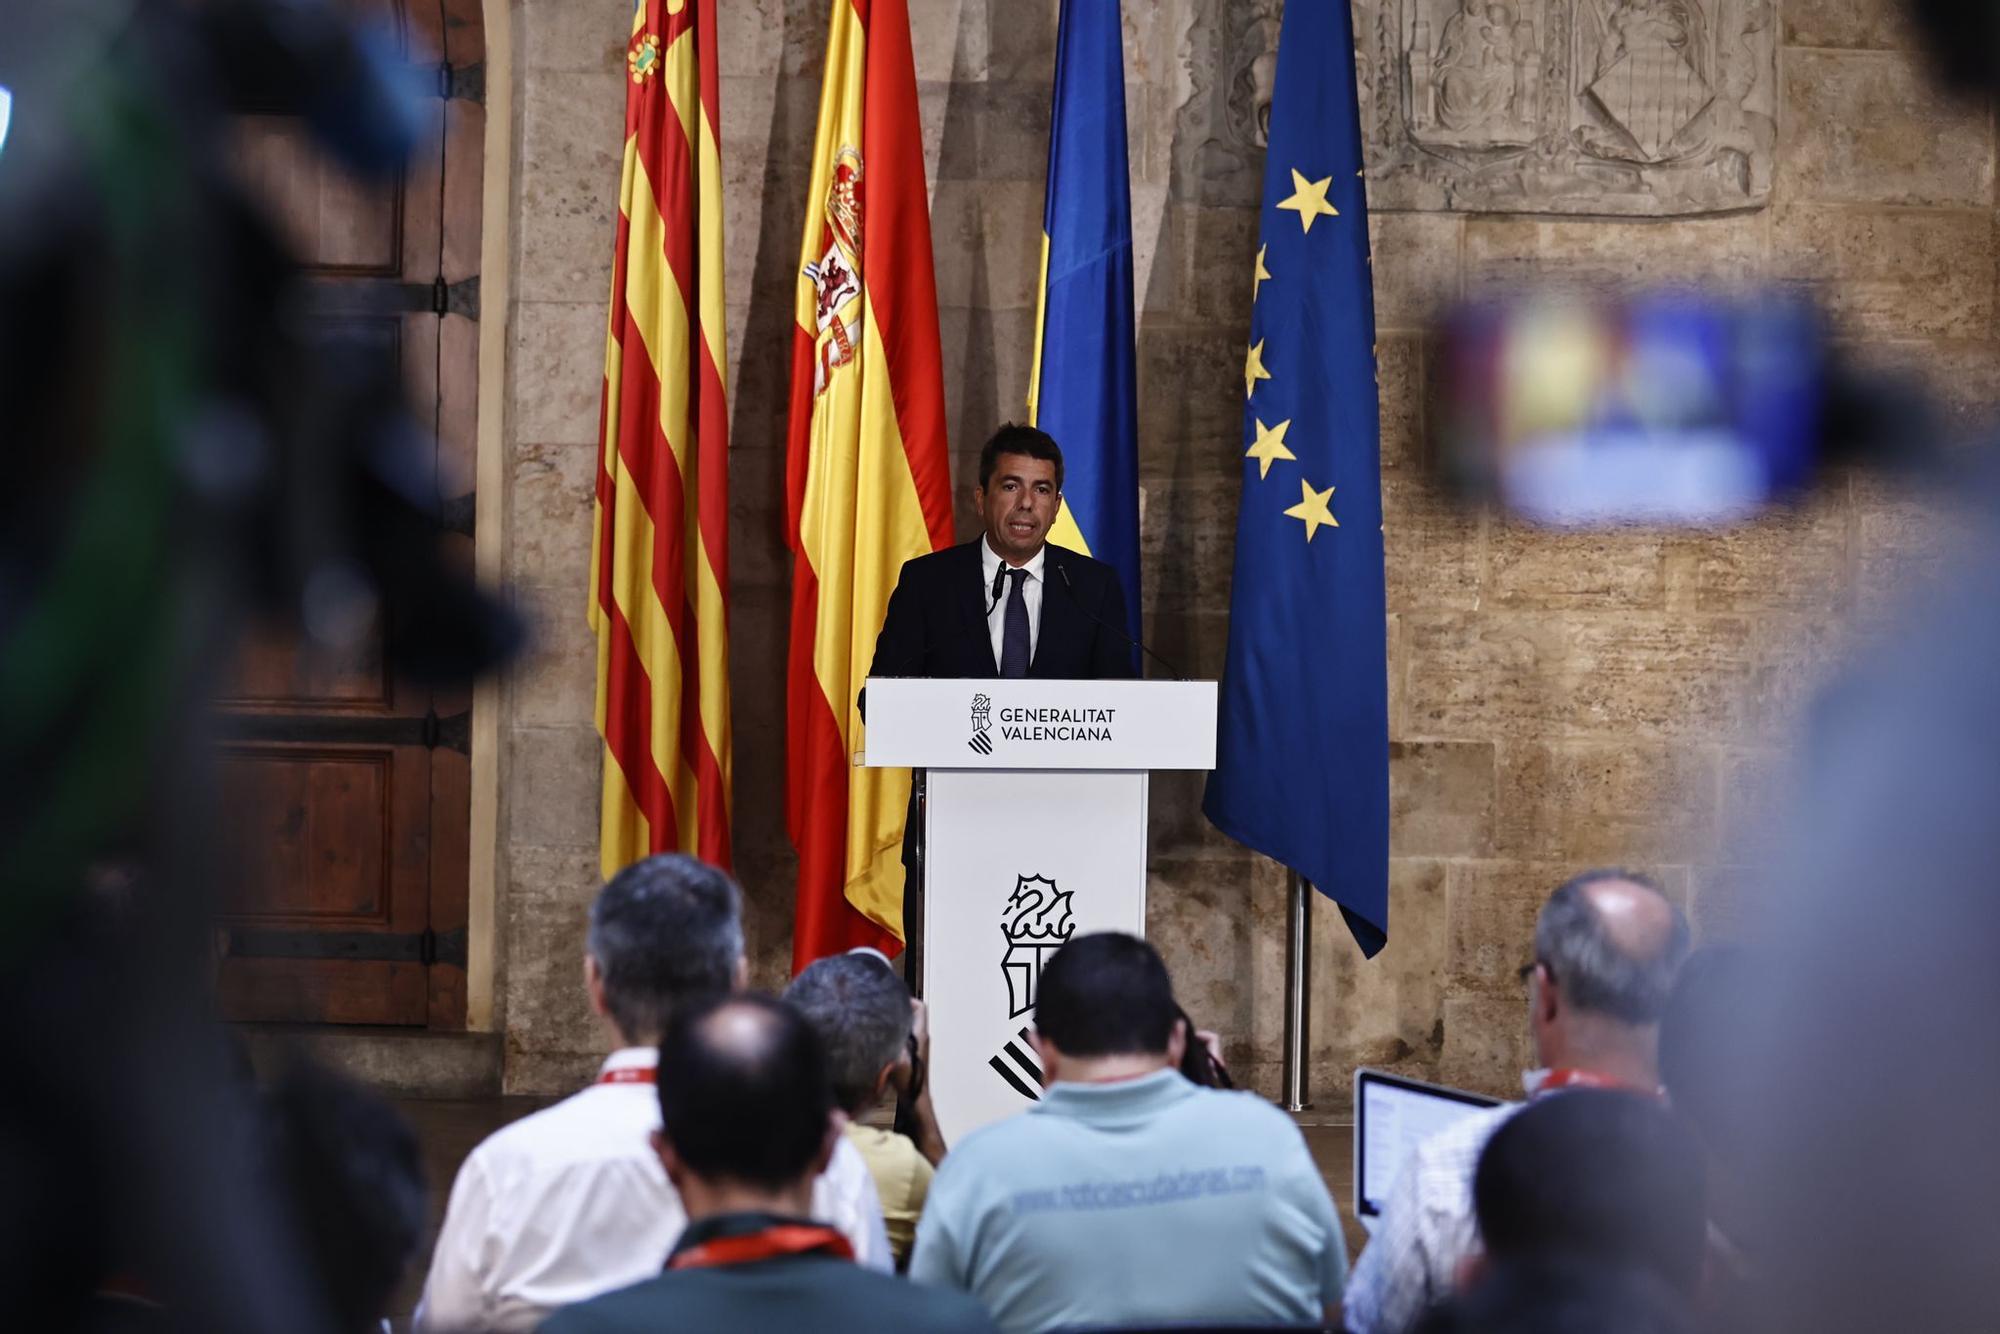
[347, 791]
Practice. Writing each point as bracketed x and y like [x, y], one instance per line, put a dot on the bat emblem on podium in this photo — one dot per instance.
[1036, 924]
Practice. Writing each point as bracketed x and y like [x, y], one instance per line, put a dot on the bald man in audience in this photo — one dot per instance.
[748, 1123]
[1607, 947]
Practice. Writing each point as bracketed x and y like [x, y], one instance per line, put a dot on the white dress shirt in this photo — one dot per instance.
[572, 1202]
[1427, 1227]
[1031, 594]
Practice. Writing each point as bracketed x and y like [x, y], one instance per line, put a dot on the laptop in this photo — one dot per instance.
[1392, 1115]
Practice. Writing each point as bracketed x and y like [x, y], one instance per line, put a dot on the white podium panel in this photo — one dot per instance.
[1034, 830]
[1018, 863]
[1023, 724]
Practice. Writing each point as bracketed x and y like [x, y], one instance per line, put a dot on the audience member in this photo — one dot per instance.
[351, 1171]
[876, 1042]
[1562, 1297]
[1202, 1062]
[1610, 1178]
[347, 1175]
[1718, 986]
[748, 1121]
[1607, 946]
[1866, 1071]
[571, 1201]
[1127, 1194]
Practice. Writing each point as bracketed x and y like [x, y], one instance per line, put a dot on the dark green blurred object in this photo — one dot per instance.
[94, 652]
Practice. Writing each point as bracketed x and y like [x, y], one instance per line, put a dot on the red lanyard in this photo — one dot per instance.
[1568, 1077]
[780, 1239]
[630, 1074]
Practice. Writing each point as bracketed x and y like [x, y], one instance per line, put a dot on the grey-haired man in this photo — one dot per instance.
[1607, 947]
[572, 1201]
[876, 1043]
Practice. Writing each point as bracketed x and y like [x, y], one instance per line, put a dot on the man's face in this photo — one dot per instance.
[1018, 502]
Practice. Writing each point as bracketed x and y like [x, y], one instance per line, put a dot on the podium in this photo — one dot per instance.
[1034, 830]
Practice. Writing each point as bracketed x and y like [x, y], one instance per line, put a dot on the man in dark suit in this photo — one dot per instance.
[1008, 603]
[747, 1123]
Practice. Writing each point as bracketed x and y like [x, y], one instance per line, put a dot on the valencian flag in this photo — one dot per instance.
[1083, 389]
[659, 550]
[1302, 771]
[867, 476]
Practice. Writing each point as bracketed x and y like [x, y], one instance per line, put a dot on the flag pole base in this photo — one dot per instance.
[1298, 992]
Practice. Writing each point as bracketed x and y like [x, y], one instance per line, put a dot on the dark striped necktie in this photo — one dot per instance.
[1014, 627]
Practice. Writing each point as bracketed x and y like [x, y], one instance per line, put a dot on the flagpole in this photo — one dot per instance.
[1298, 990]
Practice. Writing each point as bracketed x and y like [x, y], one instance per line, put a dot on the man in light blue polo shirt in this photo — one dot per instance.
[1128, 1195]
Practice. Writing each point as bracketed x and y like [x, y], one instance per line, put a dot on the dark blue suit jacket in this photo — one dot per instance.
[936, 622]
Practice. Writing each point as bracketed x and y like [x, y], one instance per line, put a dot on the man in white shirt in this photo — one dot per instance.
[1607, 947]
[572, 1201]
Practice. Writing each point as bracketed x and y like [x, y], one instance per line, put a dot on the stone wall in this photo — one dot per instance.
[1556, 701]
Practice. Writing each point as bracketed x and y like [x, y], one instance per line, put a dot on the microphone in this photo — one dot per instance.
[1062, 572]
[999, 584]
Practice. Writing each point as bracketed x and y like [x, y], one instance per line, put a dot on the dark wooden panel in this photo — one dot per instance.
[348, 807]
[335, 224]
[464, 178]
[310, 834]
[423, 190]
[422, 22]
[321, 991]
[328, 839]
[420, 369]
[464, 31]
[273, 673]
[331, 835]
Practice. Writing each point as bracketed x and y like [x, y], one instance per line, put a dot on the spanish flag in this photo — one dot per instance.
[659, 551]
[867, 475]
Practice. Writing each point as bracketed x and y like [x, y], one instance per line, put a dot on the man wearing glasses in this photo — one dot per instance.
[1607, 947]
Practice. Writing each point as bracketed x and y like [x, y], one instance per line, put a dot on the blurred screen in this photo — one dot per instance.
[1671, 408]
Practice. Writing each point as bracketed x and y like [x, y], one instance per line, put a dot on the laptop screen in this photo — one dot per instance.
[1392, 1115]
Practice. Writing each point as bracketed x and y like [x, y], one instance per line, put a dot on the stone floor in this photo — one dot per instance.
[449, 1128]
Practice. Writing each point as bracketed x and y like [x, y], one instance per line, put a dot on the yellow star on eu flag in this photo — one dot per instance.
[1312, 508]
[1257, 279]
[1308, 199]
[1270, 447]
[1253, 368]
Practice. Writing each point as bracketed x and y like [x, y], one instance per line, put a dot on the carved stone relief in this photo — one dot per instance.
[1571, 106]
[1227, 65]
[1640, 107]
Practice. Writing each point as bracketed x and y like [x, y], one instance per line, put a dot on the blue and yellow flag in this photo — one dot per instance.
[1084, 391]
[1302, 771]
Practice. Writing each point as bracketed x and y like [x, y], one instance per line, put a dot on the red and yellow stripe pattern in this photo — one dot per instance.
[659, 547]
[867, 470]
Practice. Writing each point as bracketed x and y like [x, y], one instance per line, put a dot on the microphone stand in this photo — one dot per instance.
[1062, 572]
[913, 947]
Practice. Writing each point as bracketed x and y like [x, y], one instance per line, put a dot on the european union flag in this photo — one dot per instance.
[1085, 389]
[1302, 770]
